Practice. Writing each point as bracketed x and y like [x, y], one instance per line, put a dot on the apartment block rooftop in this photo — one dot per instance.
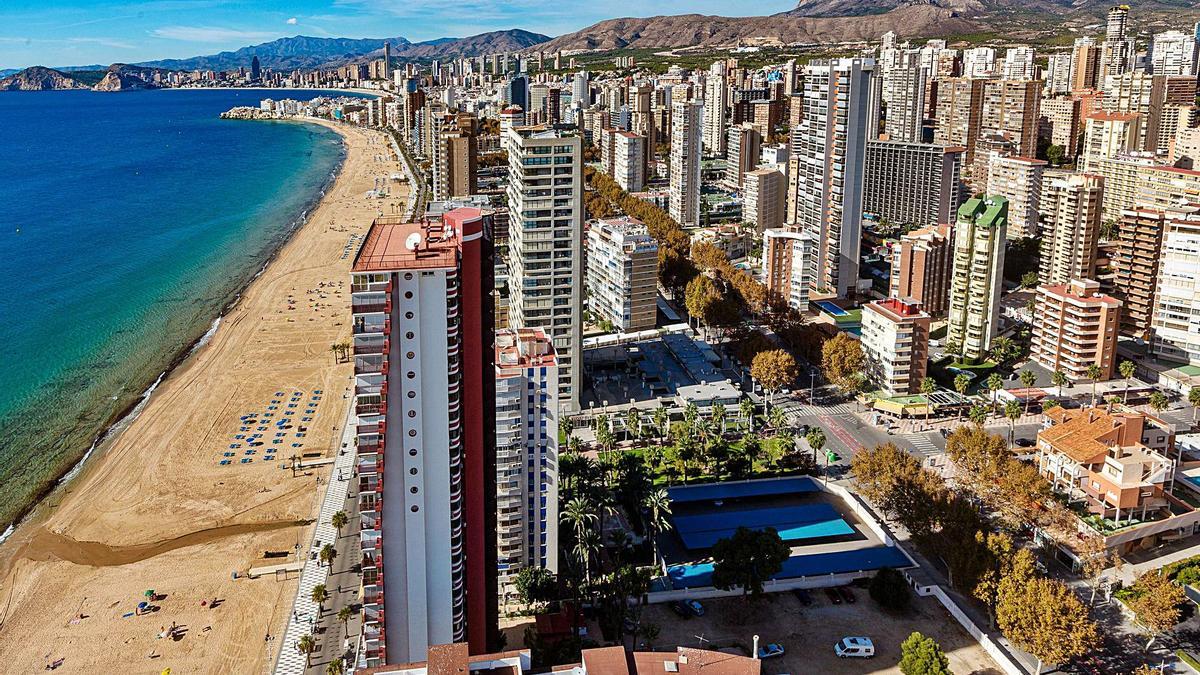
[395, 244]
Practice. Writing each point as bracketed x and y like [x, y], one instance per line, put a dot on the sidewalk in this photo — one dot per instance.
[304, 610]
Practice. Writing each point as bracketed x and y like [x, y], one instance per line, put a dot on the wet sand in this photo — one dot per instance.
[156, 509]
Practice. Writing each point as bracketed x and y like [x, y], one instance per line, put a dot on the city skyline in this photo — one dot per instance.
[85, 32]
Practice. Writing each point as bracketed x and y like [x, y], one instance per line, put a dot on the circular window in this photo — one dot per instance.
[408, 315]
[412, 471]
[411, 355]
[409, 335]
[412, 452]
[408, 276]
[412, 394]
[413, 489]
[408, 295]
[415, 508]
[412, 432]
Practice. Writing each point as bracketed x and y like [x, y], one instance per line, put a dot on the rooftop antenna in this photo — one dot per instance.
[413, 241]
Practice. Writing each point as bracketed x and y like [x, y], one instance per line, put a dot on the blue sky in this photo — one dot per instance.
[80, 32]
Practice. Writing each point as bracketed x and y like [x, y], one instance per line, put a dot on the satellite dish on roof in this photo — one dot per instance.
[413, 241]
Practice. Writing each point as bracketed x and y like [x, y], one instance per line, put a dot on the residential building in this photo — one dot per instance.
[622, 156]
[1173, 53]
[1011, 108]
[958, 114]
[1119, 53]
[685, 162]
[1175, 324]
[423, 335]
[789, 264]
[895, 345]
[683, 661]
[1119, 465]
[828, 157]
[742, 153]
[622, 273]
[1109, 134]
[456, 658]
[455, 157]
[1019, 180]
[912, 183]
[906, 85]
[526, 455]
[1086, 56]
[1122, 181]
[978, 275]
[1061, 123]
[1019, 63]
[1135, 263]
[545, 203]
[1070, 208]
[1057, 76]
[922, 264]
[763, 198]
[979, 62]
[732, 240]
[716, 100]
[1076, 328]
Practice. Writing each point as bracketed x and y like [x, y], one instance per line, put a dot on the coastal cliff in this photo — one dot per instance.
[122, 77]
[38, 78]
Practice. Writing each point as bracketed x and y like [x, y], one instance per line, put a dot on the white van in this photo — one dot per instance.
[854, 647]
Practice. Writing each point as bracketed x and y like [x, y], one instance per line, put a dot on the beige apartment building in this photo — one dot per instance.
[622, 273]
[895, 345]
[922, 262]
[790, 265]
[1019, 180]
[1070, 211]
[977, 278]
[764, 198]
[1061, 123]
[1076, 328]
[1109, 134]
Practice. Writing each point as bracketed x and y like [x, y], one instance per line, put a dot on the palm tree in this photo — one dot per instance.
[1093, 374]
[1159, 401]
[582, 518]
[319, 596]
[718, 418]
[660, 423]
[816, 441]
[777, 418]
[1059, 379]
[335, 667]
[1028, 379]
[746, 407]
[1127, 369]
[928, 386]
[565, 429]
[306, 645]
[690, 414]
[339, 520]
[1194, 399]
[336, 348]
[994, 384]
[633, 423]
[658, 504]
[344, 615]
[961, 382]
[1012, 410]
[604, 435]
[328, 553]
[978, 414]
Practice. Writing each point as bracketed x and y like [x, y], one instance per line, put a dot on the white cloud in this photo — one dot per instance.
[292, 21]
[209, 34]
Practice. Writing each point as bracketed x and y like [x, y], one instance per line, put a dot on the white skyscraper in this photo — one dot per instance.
[545, 233]
[716, 99]
[979, 62]
[1018, 63]
[1173, 53]
[904, 95]
[828, 159]
[685, 162]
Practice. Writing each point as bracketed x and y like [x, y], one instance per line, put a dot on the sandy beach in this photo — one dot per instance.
[157, 509]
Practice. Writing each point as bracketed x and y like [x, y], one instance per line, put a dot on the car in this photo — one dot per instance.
[1025, 443]
[833, 596]
[854, 647]
[847, 594]
[688, 608]
[770, 650]
[803, 596]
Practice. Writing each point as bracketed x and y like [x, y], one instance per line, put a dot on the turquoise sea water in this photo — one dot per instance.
[127, 223]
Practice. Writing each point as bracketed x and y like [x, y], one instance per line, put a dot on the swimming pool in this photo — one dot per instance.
[830, 308]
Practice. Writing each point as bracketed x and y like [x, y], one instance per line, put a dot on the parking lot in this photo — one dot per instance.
[808, 634]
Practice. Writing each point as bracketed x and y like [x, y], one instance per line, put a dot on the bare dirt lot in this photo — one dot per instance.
[809, 633]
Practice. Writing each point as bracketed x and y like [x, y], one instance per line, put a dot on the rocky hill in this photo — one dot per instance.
[484, 43]
[38, 78]
[1045, 13]
[716, 31]
[124, 77]
[284, 54]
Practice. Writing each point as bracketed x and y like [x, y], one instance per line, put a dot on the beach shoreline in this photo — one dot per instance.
[155, 509]
[121, 419]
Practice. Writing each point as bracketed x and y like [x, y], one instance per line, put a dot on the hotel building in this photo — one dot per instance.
[789, 265]
[922, 262]
[545, 235]
[1076, 328]
[526, 454]
[622, 274]
[912, 183]
[895, 344]
[1070, 211]
[977, 279]
[1019, 180]
[423, 352]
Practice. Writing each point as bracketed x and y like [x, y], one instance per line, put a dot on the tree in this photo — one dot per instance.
[890, 589]
[748, 559]
[335, 667]
[660, 423]
[1059, 379]
[961, 382]
[320, 595]
[1159, 402]
[306, 645]
[1127, 369]
[658, 506]
[536, 585]
[701, 298]
[1194, 399]
[746, 408]
[995, 384]
[604, 434]
[841, 359]
[921, 655]
[1029, 280]
[633, 423]
[877, 471]
[1093, 374]
[344, 615]
[1046, 619]
[717, 417]
[1050, 404]
[928, 386]
[978, 414]
[816, 440]
[1156, 601]
[774, 370]
[1094, 559]
[1028, 379]
[1055, 154]
[1012, 410]
[338, 521]
[582, 518]
[328, 553]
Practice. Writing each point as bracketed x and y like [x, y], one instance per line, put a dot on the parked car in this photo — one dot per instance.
[688, 608]
[771, 650]
[803, 596]
[847, 594]
[854, 647]
[1025, 442]
[833, 596]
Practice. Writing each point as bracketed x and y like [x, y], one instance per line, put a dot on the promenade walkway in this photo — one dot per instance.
[304, 610]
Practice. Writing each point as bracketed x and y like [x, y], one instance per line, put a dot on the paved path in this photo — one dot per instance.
[304, 610]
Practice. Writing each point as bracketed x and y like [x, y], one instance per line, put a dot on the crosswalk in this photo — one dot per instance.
[923, 445]
[797, 409]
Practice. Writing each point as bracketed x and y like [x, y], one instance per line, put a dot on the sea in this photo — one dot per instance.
[128, 223]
